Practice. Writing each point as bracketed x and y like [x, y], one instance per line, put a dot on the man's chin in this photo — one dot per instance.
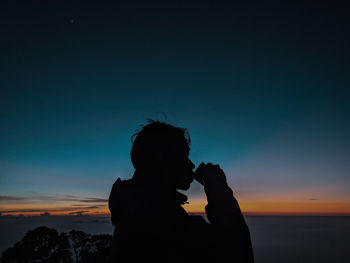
[185, 186]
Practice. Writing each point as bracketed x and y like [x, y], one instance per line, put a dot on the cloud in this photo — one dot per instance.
[78, 213]
[65, 198]
[80, 199]
[93, 200]
[91, 207]
[313, 199]
[11, 198]
[54, 209]
[45, 214]
[60, 203]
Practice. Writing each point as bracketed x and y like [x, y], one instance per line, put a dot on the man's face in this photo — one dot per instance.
[181, 168]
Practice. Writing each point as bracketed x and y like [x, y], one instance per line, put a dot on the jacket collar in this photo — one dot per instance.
[156, 190]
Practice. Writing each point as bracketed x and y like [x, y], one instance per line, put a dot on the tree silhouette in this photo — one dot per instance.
[80, 244]
[40, 245]
[47, 245]
[99, 249]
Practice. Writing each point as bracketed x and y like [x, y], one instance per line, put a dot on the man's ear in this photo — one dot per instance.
[162, 158]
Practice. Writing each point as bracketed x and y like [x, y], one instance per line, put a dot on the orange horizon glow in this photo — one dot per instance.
[198, 207]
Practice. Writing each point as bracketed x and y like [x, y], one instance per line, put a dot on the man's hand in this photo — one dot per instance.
[215, 185]
[209, 174]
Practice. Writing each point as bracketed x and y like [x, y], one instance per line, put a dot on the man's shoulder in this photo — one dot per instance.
[197, 219]
[197, 223]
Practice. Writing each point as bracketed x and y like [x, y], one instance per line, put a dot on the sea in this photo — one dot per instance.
[275, 238]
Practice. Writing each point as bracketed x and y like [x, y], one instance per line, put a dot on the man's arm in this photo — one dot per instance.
[229, 227]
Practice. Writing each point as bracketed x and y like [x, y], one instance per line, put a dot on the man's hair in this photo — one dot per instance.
[154, 139]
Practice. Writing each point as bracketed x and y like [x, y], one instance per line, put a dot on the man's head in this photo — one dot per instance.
[161, 151]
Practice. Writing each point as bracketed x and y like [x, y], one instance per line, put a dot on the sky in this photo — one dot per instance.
[263, 89]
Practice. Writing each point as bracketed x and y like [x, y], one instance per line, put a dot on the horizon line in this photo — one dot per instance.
[105, 215]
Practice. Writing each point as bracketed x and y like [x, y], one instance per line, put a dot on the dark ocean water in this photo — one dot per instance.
[300, 239]
[275, 238]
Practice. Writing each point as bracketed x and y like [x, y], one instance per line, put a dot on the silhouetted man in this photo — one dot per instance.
[150, 223]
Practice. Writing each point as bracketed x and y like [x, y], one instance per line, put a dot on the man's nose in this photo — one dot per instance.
[192, 165]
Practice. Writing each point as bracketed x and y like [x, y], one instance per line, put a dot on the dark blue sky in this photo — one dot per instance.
[262, 88]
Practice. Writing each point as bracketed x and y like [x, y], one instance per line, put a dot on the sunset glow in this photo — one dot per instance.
[267, 100]
[312, 207]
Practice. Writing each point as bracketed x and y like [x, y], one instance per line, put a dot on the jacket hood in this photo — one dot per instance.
[130, 199]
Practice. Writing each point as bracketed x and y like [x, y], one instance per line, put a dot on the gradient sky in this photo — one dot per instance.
[262, 88]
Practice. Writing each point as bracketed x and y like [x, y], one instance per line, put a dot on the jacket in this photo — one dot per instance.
[152, 226]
